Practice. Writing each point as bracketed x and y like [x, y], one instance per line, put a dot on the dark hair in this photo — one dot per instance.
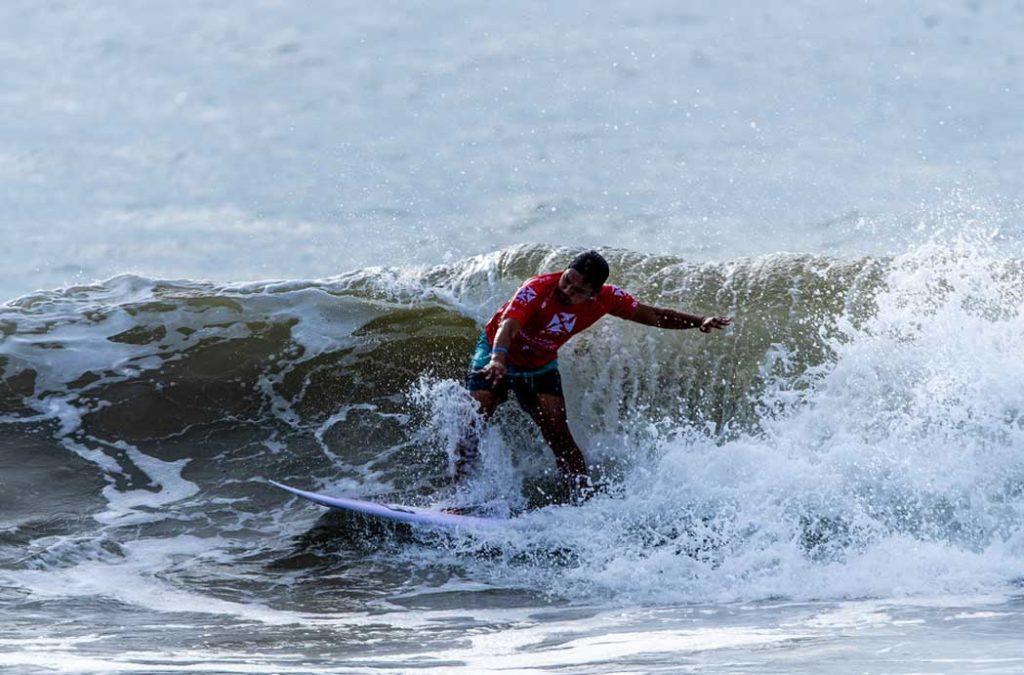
[593, 267]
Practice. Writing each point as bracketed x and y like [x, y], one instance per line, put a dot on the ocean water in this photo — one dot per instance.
[252, 241]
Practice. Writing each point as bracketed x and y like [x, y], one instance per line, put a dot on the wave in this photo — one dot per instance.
[127, 347]
[858, 407]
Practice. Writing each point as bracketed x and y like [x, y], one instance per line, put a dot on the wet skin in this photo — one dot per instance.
[548, 410]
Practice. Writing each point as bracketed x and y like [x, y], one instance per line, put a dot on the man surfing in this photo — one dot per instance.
[519, 351]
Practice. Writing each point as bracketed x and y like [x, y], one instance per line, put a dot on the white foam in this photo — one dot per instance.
[167, 475]
[889, 469]
[136, 581]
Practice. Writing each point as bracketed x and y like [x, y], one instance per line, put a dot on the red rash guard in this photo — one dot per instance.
[547, 324]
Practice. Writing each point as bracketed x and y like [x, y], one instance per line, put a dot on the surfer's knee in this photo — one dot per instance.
[550, 417]
[487, 401]
[549, 412]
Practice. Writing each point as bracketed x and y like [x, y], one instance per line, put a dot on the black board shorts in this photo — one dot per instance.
[526, 384]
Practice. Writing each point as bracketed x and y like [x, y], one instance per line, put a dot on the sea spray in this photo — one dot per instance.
[856, 433]
[893, 466]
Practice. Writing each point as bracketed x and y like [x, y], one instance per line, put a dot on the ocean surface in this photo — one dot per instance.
[256, 240]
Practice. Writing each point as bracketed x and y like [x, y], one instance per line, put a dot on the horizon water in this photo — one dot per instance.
[256, 241]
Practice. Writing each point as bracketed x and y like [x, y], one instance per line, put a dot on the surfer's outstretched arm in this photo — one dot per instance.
[661, 317]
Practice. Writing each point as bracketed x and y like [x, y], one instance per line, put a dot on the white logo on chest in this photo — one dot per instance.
[561, 323]
[526, 294]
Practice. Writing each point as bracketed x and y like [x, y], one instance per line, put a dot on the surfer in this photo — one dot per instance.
[518, 350]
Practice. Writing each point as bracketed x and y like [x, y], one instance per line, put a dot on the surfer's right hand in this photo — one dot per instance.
[495, 371]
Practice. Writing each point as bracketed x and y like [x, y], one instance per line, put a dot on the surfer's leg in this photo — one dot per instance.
[467, 450]
[488, 396]
[548, 411]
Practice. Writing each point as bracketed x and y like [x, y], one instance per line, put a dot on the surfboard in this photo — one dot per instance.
[393, 512]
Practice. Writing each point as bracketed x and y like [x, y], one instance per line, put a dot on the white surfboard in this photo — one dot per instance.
[394, 512]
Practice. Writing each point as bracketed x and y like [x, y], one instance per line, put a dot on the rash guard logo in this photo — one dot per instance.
[561, 323]
[525, 295]
[618, 291]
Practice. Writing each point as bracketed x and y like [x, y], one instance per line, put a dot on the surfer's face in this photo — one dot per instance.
[573, 288]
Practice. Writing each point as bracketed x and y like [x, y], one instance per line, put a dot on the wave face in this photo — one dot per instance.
[858, 432]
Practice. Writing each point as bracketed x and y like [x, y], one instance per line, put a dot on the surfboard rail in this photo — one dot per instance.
[394, 512]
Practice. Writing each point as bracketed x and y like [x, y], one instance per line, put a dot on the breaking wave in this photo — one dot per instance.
[858, 432]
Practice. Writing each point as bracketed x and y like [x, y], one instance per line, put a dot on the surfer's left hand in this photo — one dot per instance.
[712, 322]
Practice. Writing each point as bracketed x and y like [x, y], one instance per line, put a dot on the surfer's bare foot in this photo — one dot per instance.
[583, 489]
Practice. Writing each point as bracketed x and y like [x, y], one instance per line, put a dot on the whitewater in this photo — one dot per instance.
[258, 242]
